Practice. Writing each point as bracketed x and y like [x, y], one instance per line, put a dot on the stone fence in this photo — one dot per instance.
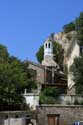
[71, 99]
[59, 114]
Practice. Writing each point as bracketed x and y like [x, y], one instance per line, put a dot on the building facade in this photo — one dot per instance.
[59, 115]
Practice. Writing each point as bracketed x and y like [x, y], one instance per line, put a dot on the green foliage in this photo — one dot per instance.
[14, 78]
[79, 22]
[12, 82]
[31, 75]
[79, 28]
[69, 27]
[47, 100]
[76, 25]
[58, 54]
[77, 71]
[40, 54]
[4, 55]
[52, 91]
[57, 51]
[32, 85]
[77, 67]
[50, 95]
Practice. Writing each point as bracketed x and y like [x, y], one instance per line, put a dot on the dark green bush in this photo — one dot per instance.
[50, 95]
[48, 100]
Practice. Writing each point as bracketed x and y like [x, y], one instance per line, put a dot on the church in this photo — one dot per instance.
[48, 73]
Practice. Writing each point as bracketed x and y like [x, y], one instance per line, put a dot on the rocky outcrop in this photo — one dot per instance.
[71, 50]
[67, 40]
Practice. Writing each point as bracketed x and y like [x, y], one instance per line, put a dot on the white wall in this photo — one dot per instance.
[32, 99]
[48, 51]
[14, 121]
[13, 117]
[75, 53]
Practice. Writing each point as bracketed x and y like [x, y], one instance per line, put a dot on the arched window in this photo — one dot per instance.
[46, 45]
[49, 45]
[81, 49]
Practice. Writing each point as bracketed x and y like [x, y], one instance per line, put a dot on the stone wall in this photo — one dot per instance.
[68, 114]
[66, 99]
[40, 71]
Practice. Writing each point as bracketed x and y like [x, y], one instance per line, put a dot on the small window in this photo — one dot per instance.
[6, 117]
[16, 116]
[81, 49]
[49, 45]
[46, 45]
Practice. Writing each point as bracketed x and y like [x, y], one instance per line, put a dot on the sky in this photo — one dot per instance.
[25, 24]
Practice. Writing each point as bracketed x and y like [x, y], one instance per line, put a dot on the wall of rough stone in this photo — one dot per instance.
[68, 114]
[40, 74]
[40, 71]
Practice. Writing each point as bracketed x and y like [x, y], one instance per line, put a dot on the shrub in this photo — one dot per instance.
[53, 91]
[48, 100]
[50, 95]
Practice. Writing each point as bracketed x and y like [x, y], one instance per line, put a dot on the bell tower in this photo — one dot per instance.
[48, 50]
[48, 54]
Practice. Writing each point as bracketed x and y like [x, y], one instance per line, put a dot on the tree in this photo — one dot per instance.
[76, 25]
[69, 27]
[79, 28]
[77, 72]
[14, 78]
[4, 55]
[58, 54]
[57, 51]
[40, 54]
[77, 67]
[12, 83]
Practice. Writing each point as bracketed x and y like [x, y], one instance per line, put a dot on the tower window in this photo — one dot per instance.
[81, 49]
[49, 45]
[46, 45]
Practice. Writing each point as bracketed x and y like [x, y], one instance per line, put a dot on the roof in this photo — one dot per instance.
[45, 67]
[50, 63]
[34, 63]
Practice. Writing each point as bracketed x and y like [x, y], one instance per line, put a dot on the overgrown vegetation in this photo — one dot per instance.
[77, 67]
[69, 27]
[40, 54]
[76, 25]
[14, 78]
[50, 95]
[79, 28]
[77, 71]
